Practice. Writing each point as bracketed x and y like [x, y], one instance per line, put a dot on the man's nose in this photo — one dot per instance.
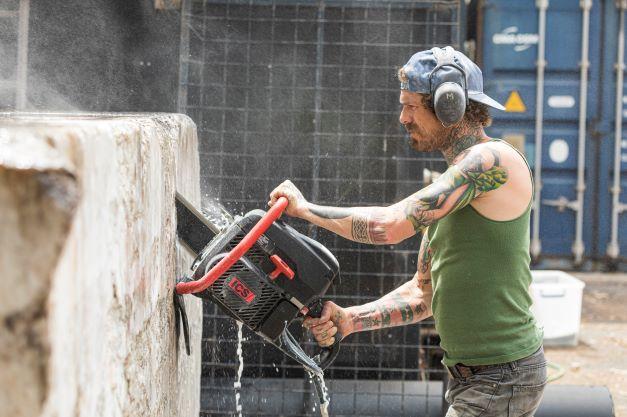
[405, 117]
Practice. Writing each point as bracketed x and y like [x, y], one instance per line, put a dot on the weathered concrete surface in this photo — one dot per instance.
[88, 257]
[33, 197]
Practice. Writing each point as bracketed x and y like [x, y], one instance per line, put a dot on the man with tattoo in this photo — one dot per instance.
[473, 264]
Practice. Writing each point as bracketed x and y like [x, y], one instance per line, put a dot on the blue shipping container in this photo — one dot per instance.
[552, 63]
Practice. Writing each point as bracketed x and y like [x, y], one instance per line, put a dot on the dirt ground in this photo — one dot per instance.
[600, 358]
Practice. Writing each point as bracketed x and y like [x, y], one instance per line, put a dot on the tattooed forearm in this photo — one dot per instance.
[367, 224]
[331, 212]
[421, 308]
[369, 228]
[478, 171]
[366, 320]
[359, 229]
[396, 310]
[338, 316]
[386, 314]
[407, 314]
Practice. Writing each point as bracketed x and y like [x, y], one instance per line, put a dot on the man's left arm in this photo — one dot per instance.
[474, 172]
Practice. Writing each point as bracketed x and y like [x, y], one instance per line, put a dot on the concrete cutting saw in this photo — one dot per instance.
[261, 272]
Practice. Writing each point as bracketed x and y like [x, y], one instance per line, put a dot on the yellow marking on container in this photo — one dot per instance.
[515, 103]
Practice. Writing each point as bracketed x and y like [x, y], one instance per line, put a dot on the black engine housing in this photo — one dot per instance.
[248, 293]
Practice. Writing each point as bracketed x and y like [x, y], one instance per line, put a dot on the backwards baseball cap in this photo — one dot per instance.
[419, 67]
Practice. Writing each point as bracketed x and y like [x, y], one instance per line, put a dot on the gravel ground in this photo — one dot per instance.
[600, 358]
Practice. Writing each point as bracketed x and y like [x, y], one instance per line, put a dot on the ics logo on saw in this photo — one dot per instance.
[241, 290]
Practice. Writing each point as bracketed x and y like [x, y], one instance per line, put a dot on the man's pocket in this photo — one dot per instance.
[528, 385]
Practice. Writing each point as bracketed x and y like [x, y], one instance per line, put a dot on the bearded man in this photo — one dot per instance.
[473, 265]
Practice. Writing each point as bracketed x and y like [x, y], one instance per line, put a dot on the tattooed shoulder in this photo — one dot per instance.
[483, 168]
[475, 172]
[482, 158]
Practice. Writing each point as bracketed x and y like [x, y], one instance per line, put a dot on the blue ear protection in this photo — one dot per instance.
[448, 88]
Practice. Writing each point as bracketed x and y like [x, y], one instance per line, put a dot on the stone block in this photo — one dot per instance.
[88, 260]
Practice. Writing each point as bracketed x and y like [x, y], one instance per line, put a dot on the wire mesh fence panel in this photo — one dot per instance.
[308, 92]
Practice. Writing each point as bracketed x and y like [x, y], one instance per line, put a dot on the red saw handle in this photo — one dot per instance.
[236, 253]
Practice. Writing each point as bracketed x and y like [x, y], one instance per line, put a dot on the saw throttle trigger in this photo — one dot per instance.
[281, 268]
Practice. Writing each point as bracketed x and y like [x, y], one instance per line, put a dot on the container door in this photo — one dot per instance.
[613, 147]
[547, 129]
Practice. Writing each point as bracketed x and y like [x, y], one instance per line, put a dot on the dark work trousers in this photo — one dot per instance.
[512, 389]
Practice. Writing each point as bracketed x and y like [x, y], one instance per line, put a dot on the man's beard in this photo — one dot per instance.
[431, 141]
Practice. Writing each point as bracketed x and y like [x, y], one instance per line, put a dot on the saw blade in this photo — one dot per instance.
[194, 230]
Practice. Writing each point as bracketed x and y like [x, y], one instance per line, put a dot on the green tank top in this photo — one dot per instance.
[480, 276]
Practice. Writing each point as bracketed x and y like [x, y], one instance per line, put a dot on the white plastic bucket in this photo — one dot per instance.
[557, 300]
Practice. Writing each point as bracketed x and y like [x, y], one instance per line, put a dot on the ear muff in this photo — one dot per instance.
[449, 103]
[448, 87]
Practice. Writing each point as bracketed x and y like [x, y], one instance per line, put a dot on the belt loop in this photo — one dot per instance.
[513, 365]
[453, 372]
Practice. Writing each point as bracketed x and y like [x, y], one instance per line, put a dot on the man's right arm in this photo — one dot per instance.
[407, 304]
